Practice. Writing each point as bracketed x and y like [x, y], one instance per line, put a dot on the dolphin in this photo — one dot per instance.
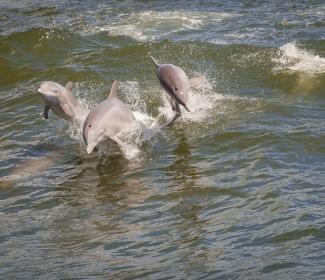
[107, 120]
[177, 85]
[60, 100]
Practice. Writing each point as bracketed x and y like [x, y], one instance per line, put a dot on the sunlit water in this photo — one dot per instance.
[234, 190]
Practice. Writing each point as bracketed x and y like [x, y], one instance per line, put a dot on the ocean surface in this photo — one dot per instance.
[234, 190]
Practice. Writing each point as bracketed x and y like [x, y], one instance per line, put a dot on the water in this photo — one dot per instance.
[234, 190]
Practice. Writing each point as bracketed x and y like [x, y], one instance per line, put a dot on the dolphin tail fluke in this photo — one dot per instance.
[196, 81]
[113, 92]
[154, 61]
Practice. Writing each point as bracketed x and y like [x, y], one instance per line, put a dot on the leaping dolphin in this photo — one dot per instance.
[177, 85]
[60, 100]
[107, 120]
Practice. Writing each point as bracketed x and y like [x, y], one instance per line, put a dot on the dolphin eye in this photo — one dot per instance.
[55, 90]
[89, 125]
[176, 88]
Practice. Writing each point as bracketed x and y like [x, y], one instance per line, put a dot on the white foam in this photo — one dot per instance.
[297, 59]
[152, 25]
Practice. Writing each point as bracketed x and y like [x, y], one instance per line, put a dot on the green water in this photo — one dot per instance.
[234, 190]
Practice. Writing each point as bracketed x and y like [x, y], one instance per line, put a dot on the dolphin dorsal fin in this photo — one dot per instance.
[197, 81]
[154, 61]
[113, 92]
[69, 86]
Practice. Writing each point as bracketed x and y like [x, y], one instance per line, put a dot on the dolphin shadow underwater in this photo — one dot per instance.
[177, 85]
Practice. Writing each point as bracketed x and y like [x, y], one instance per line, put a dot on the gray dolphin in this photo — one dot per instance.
[60, 100]
[107, 120]
[177, 85]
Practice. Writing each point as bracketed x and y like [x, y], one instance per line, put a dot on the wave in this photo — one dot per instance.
[293, 58]
[152, 25]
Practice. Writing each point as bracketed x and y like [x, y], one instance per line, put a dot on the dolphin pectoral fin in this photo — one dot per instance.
[69, 86]
[90, 147]
[196, 81]
[117, 141]
[67, 110]
[46, 112]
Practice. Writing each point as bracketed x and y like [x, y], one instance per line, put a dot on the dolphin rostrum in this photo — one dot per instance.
[107, 120]
[60, 100]
[177, 85]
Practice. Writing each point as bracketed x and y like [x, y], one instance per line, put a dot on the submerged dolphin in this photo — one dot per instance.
[60, 100]
[177, 85]
[107, 120]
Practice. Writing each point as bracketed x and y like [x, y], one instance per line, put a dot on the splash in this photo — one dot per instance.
[294, 58]
[205, 103]
[202, 101]
[144, 129]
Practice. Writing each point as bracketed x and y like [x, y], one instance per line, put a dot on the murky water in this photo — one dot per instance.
[234, 190]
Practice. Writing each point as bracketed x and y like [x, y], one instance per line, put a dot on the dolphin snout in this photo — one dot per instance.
[41, 88]
[45, 87]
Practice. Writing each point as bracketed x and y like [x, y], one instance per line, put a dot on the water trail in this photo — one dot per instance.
[293, 58]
